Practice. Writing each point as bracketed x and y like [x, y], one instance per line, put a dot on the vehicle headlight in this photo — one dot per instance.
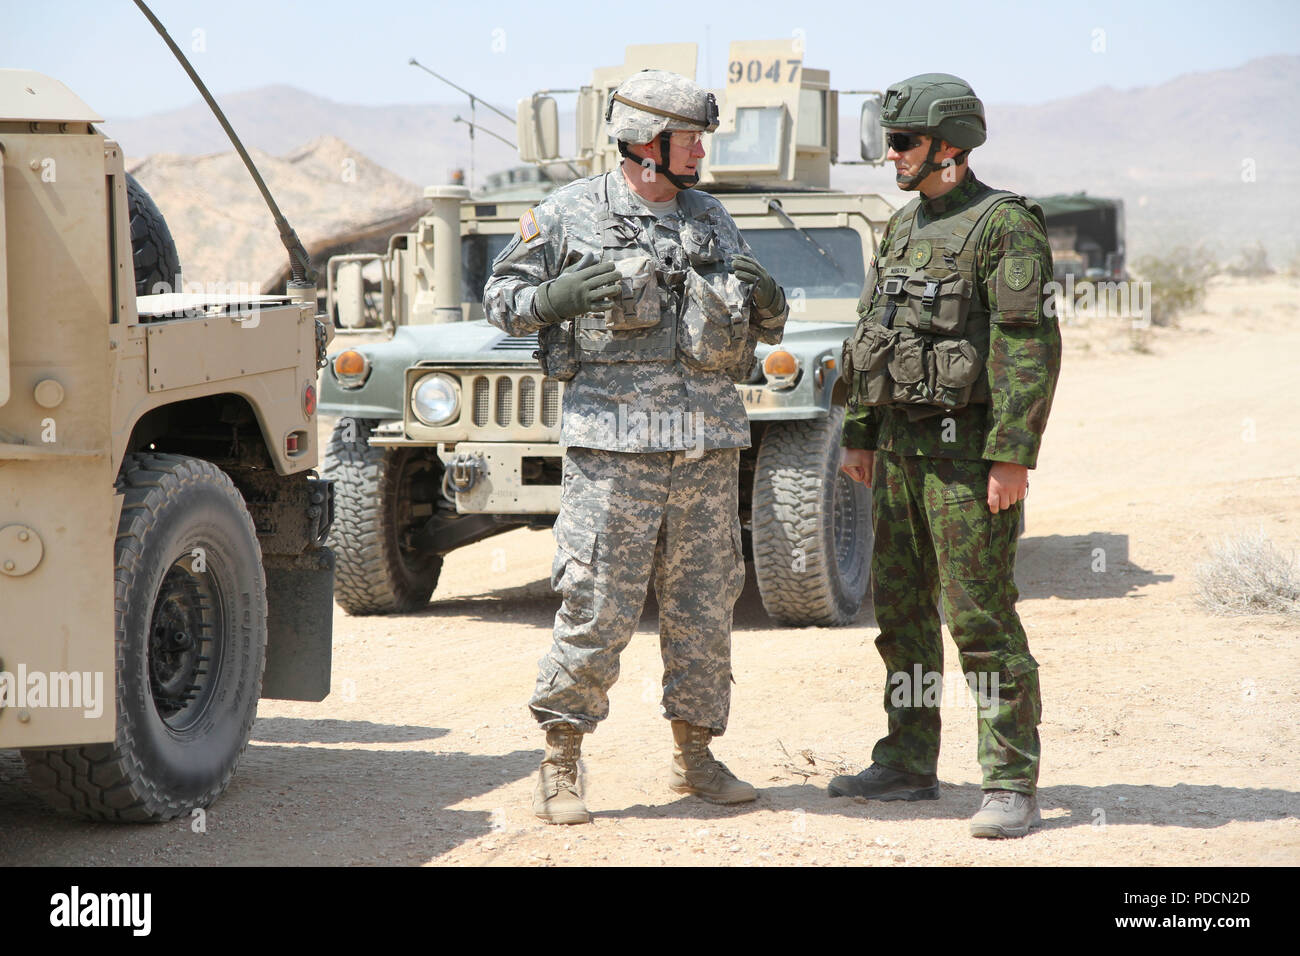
[435, 399]
[781, 368]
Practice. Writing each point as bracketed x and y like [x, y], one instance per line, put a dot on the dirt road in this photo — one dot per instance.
[1169, 736]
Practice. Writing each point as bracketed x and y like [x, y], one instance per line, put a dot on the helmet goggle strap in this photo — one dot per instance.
[927, 167]
[681, 181]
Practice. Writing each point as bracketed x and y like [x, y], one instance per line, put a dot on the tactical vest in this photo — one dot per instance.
[924, 335]
[694, 308]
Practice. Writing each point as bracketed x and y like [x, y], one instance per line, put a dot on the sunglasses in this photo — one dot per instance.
[902, 142]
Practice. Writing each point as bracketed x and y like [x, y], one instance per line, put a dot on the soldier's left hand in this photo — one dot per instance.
[1008, 483]
[747, 269]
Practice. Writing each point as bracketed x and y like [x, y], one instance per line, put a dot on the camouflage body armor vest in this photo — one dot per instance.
[924, 335]
[692, 308]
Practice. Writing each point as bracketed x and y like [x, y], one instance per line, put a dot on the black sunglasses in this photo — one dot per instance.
[902, 142]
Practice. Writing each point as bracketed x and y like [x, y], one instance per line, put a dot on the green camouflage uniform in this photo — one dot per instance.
[936, 542]
[652, 425]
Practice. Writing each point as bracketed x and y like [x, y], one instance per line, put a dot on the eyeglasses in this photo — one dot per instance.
[685, 138]
[902, 142]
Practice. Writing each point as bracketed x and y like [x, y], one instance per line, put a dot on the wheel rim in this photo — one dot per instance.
[411, 468]
[845, 526]
[185, 633]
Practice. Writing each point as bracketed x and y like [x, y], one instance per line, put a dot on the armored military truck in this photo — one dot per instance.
[161, 525]
[449, 432]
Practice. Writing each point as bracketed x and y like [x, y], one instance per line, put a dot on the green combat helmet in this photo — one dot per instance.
[656, 101]
[940, 105]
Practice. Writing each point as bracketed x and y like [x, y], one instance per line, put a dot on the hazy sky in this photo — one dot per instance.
[1011, 52]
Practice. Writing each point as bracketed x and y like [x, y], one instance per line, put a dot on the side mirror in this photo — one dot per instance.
[870, 133]
[538, 125]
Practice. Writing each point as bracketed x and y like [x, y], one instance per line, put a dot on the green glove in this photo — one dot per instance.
[579, 289]
[767, 294]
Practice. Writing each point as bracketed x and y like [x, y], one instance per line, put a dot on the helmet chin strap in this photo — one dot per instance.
[681, 181]
[908, 183]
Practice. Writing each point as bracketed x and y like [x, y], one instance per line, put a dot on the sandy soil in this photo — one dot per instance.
[1169, 735]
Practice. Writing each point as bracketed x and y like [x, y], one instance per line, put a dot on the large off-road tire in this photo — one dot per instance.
[377, 571]
[152, 247]
[190, 614]
[811, 525]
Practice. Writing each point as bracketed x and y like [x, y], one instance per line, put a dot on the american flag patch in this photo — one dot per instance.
[528, 230]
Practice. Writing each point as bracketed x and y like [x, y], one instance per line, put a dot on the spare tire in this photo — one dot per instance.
[152, 248]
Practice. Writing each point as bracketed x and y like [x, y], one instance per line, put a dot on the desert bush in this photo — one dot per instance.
[1178, 281]
[1251, 262]
[1248, 575]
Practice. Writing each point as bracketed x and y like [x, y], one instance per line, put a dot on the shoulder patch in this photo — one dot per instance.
[1017, 270]
[528, 229]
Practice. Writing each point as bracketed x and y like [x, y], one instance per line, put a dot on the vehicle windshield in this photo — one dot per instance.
[793, 261]
[836, 273]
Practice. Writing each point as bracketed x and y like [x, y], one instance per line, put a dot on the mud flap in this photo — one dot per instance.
[299, 625]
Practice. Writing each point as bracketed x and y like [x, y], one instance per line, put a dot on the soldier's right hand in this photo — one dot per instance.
[858, 463]
[579, 289]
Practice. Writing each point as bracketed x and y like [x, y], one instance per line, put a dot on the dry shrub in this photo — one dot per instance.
[1178, 281]
[1248, 575]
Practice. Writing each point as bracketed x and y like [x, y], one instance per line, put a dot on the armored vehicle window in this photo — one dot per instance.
[797, 264]
[755, 142]
[476, 256]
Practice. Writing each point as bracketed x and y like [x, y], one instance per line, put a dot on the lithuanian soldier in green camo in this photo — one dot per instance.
[952, 368]
[647, 303]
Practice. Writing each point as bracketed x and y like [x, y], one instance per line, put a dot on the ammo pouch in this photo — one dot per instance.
[901, 366]
[713, 330]
[713, 334]
[558, 352]
[638, 305]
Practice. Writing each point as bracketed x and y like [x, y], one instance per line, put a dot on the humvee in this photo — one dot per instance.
[161, 525]
[449, 432]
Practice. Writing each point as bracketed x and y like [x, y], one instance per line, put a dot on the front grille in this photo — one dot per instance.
[550, 402]
[527, 401]
[498, 400]
[505, 400]
[480, 411]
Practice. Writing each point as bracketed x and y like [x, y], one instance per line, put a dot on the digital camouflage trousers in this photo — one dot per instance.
[936, 543]
[626, 519]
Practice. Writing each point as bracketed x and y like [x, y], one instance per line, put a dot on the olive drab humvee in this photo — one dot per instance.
[161, 525]
[449, 432]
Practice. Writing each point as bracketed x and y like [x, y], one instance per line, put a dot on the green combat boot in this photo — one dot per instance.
[696, 771]
[557, 799]
[1005, 813]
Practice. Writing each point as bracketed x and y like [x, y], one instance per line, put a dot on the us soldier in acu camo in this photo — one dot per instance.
[952, 369]
[647, 303]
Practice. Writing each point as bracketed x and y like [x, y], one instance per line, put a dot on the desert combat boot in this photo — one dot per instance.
[696, 771]
[1005, 813]
[557, 799]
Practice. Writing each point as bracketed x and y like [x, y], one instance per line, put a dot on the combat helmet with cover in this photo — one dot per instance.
[939, 105]
[657, 101]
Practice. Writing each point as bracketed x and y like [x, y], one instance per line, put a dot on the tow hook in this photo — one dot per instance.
[464, 471]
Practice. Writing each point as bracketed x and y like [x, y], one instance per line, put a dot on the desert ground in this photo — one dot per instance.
[1169, 736]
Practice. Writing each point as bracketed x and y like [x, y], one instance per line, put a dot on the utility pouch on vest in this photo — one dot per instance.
[558, 352]
[638, 305]
[937, 304]
[714, 328]
[700, 243]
